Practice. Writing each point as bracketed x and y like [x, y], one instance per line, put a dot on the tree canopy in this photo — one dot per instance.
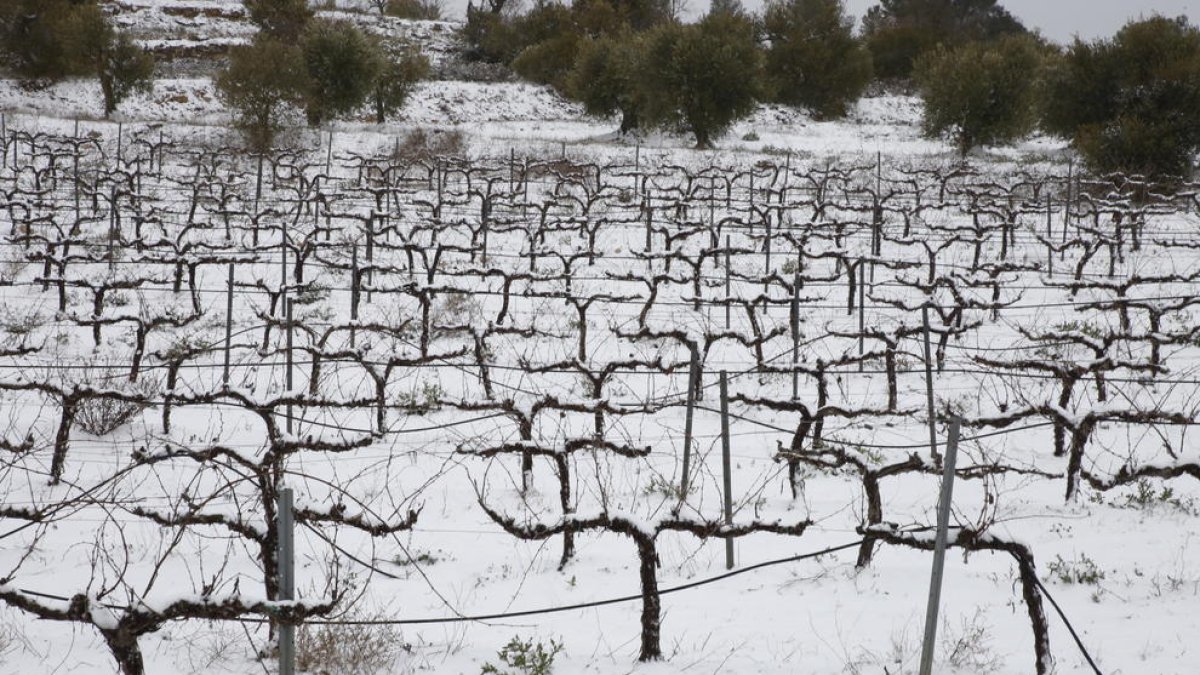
[813, 58]
[898, 32]
[1131, 103]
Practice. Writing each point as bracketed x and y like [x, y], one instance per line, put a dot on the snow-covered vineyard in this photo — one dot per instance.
[495, 385]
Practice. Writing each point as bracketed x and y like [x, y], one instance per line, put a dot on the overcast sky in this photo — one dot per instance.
[1059, 20]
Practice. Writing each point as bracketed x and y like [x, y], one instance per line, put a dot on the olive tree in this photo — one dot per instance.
[702, 76]
[981, 93]
[602, 78]
[43, 42]
[342, 65]
[1130, 103]
[120, 65]
[398, 76]
[285, 20]
[814, 59]
[899, 32]
[263, 79]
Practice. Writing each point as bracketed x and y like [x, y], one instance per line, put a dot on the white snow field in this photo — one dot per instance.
[540, 291]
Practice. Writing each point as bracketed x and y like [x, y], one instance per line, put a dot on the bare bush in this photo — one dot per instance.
[968, 646]
[421, 144]
[348, 649]
[99, 415]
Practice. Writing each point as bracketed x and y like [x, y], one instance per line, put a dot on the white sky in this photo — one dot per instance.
[1059, 20]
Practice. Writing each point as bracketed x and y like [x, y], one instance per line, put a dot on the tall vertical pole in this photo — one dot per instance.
[287, 579]
[862, 315]
[939, 550]
[692, 385]
[767, 259]
[228, 326]
[353, 293]
[75, 169]
[649, 208]
[1067, 202]
[288, 375]
[329, 154]
[797, 282]
[929, 386]
[1049, 232]
[726, 468]
[112, 228]
[728, 287]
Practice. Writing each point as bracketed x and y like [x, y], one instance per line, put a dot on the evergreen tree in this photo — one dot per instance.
[261, 81]
[342, 64]
[814, 59]
[120, 66]
[898, 32]
[981, 93]
[31, 40]
[398, 77]
[602, 78]
[1131, 103]
[703, 76]
[47, 41]
[284, 20]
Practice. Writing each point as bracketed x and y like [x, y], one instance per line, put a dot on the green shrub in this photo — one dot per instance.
[813, 59]
[981, 93]
[550, 61]
[490, 37]
[524, 657]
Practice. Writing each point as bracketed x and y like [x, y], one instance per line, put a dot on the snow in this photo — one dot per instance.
[819, 616]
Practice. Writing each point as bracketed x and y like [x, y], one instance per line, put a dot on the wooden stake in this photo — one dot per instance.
[692, 385]
[933, 451]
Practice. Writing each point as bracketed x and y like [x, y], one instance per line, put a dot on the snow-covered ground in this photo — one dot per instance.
[1136, 546]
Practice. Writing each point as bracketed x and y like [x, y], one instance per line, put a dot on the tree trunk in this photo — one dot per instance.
[874, 517]
[1079, 439]
[70, 405]
[564, 497]
[1037, 615]
[124, 647]
[651, 602]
